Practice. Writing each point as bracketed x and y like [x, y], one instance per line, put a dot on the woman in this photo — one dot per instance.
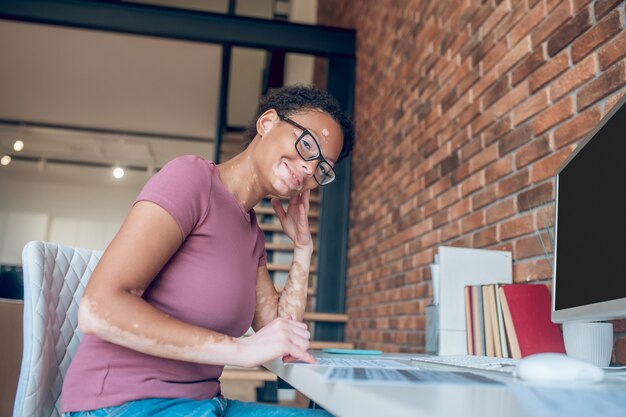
[185, 276]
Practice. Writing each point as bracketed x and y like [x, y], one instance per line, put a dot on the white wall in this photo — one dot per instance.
[75, 215]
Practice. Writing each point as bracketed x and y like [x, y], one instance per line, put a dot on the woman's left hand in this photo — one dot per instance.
[295, 221]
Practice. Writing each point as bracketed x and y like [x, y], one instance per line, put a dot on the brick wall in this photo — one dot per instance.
[464, 109]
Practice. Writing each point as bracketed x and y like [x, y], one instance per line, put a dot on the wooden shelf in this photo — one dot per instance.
[326, 317]
[281, 247]
[320, 344]
[270, 210]
[309, 291]
[276, 227]
[245, 374]
[286, 268]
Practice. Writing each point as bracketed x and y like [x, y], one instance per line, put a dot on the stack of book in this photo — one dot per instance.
[510, 320]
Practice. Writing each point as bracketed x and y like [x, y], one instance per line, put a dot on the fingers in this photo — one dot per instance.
[278, 209]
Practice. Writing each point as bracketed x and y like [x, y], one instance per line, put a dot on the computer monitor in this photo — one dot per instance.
[589, 281]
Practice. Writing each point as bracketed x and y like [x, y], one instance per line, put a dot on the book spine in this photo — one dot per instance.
[503, 342]
[510, 328]
[469, 331]
[479, 335]
[489, 345]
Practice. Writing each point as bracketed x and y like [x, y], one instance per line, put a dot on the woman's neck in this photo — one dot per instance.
[240, 177]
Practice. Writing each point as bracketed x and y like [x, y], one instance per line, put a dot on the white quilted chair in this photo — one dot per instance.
[54, 280]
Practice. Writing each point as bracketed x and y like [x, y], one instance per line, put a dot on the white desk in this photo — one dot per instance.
[446, 400]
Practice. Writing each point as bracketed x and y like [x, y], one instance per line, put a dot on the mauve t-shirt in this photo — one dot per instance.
[208, 282]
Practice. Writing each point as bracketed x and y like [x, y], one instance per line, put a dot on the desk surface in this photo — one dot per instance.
[350, 399]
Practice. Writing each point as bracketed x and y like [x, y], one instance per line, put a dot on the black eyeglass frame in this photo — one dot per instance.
[321, 158]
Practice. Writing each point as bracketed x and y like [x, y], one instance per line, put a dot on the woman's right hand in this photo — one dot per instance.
[280, 338]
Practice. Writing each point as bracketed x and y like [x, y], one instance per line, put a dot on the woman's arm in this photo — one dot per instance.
[112, 307]
[291, 302]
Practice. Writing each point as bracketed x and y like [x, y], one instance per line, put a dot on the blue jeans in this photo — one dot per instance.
[215, 407]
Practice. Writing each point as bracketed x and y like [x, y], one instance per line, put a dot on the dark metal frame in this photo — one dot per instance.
[337, 45]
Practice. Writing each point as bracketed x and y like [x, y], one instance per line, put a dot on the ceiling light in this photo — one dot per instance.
[6, 160]
[118, 172]
[18, 145]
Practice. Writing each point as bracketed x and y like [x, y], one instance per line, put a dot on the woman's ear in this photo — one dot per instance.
[266, 121]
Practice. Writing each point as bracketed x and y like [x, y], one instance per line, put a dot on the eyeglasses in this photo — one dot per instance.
[309, 150]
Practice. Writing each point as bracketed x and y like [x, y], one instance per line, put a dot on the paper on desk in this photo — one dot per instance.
[349, 362]
[542, 401]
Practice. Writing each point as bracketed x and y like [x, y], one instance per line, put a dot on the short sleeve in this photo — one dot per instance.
[260, 243]
[183, 188]
[259, 252]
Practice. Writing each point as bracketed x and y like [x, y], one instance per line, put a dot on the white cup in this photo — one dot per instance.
[591, 342]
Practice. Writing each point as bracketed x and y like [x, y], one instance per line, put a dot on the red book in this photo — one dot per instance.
[526, 311]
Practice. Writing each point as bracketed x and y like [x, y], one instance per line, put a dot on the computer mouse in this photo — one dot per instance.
[557, 367]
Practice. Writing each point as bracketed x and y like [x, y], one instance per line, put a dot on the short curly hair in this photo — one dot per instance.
[298, 98]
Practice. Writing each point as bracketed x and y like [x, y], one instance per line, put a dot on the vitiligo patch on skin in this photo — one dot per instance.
[291, 303]
[195, 347]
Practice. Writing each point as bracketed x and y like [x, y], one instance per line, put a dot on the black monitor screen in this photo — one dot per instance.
[591, 220]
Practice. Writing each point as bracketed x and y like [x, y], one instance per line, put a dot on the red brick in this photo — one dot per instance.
[501, 210]
[533, 151]
[492, 57]
[484, 197]
[613, 100]
[514, 56]
[554, 115]
[500, 168]
[441, 217]
[460, 209]
[579, 4]
[518, 226]
[470, 149]
[451, 231]
[529, 22]
[557, 18]
[484, 120]
[530, 107]
[512, 99]
[549, 166]
[515, 139]
[549, 71]
[620, 350]
[530, 63]
[473, 222]
[518, 10]
[497, 90]
[494, 18]
[619, 326]
[485, 82]
[577, 128]
[527, 247]
[514, 183]
[531, 270]
[612, 79]
[472, 184]
[484, 158]
[496, 131]
[602, 7]
[573, 78]
[568, 32]
[599, 34]
[486, 237]
[612, 51]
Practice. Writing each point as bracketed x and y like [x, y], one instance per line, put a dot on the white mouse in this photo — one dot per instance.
[557, 367]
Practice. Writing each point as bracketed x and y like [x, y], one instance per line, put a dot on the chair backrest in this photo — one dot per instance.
[54, 280]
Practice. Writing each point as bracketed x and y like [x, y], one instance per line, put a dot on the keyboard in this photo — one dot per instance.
[483, 363]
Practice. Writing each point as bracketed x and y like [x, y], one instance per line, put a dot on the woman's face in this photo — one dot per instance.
[289, 174]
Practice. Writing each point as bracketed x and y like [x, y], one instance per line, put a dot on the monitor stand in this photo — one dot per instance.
[589, 341]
